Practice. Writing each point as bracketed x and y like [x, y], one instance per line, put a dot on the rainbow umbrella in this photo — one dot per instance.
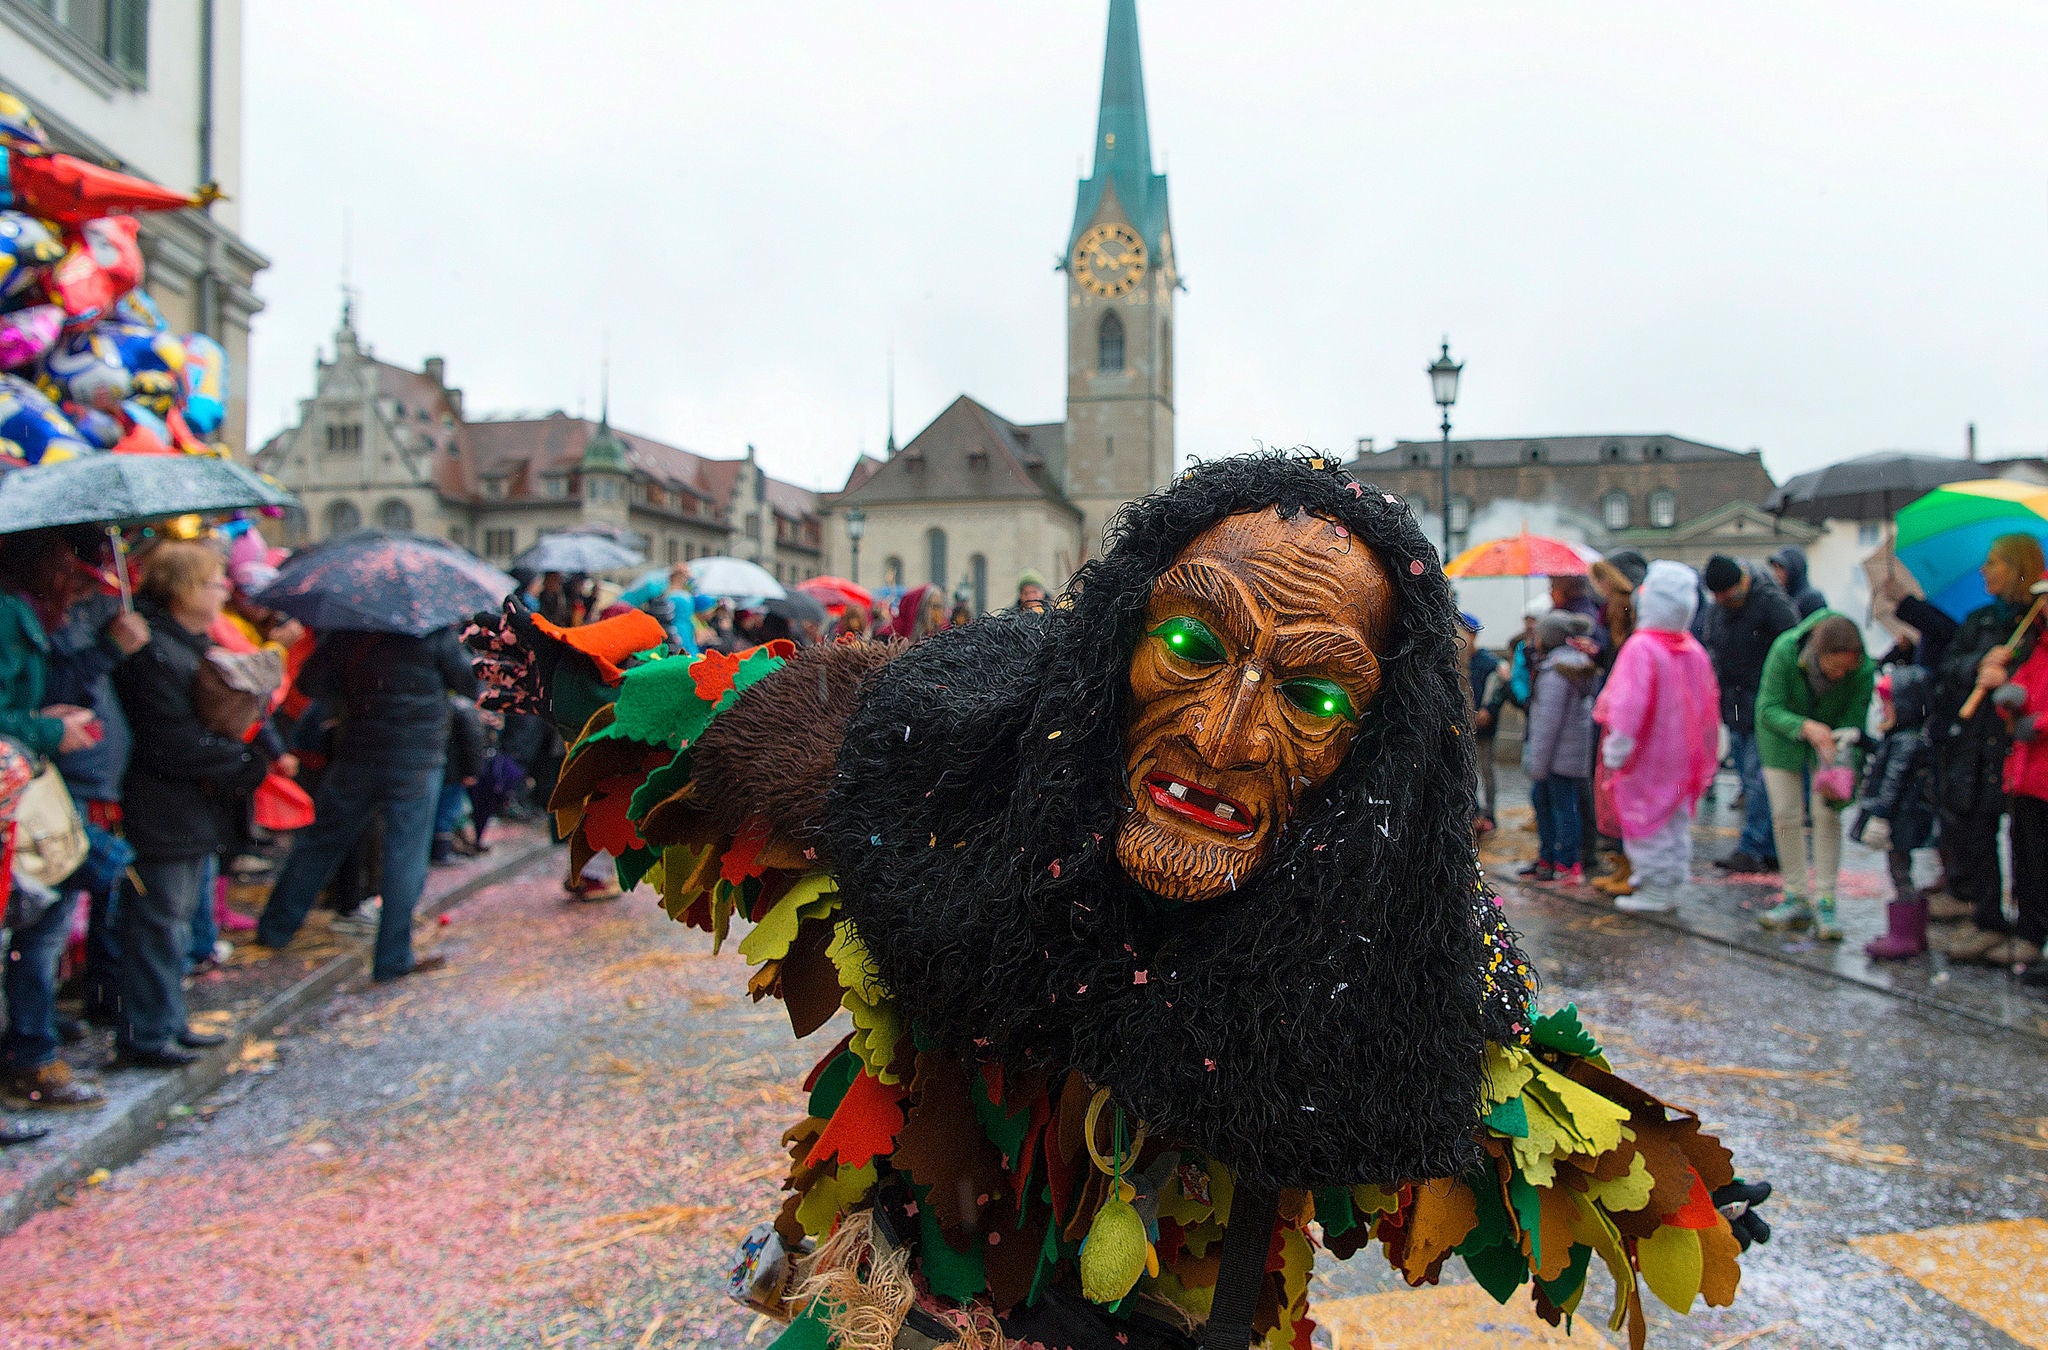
[1521, 555]
[1944, 537]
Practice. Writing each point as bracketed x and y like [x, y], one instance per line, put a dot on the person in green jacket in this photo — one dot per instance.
[1817, 680]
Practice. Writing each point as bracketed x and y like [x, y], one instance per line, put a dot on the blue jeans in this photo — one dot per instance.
[349, 795]
[154, 927]
[447, 815]
[1558, 822]
[205, 923]
[32, 986]
[1757, 840]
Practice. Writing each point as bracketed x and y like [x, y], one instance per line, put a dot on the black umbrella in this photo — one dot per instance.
[1869, 487]
[798, 607]
[384, 581]
[129, 489]
[581, 551]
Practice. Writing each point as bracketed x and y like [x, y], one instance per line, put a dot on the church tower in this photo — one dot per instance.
[1121, 281]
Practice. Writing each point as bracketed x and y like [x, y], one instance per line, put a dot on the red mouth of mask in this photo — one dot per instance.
[1193, 802]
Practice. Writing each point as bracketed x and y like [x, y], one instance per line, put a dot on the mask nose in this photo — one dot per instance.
[1237, 738]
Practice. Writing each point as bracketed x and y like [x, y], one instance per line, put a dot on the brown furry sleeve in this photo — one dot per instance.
[772, 752]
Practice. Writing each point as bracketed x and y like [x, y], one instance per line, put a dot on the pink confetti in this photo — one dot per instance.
[1055, 868]
[1415, 567]
[1209, 1064]
[1140, 977]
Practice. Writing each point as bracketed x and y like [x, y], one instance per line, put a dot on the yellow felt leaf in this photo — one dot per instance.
[1536, 1153]
[1297, 1263]
[1176, 1204]
[877, 1025]
[1592, 1117]
[724, 900]
[1194, 1300]
[832, 1195]
[680, 865]
[1222, 1185]
[1628, 1192]
[1672, 1264]
[1508, 1069]
[813, 897]
[1597, 1231]
[1369, 1200]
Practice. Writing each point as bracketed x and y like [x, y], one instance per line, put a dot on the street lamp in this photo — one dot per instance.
[1443, 383]
[856, 526]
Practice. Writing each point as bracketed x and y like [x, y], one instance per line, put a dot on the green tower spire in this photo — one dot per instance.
[1123, 137]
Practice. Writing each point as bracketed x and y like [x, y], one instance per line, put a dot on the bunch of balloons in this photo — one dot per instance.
[87, 362]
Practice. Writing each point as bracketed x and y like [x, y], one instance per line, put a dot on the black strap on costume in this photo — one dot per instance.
[1247, 1239]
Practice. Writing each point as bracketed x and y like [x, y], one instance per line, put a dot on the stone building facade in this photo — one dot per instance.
[975, 499]
[381, 445]
[154, 91]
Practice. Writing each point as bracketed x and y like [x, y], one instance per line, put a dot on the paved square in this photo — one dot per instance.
[1998, 1271]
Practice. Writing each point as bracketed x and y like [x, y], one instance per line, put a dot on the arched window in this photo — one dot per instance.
[342, 516]
[892, 571]
[394, 515]
[935, 551]
[1614, 510]
[1663, 508]
[977, 571]
[1461, 514]
[1109, 345]
[1166, 359]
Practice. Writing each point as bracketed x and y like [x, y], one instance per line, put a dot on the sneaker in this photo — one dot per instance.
[1742, 862]
[1644, 902]
[362, 919]
[1791, 913]
[223, 951]
[2012, 951]
[1825, 928]
[1575, 875]
[1970, 942]
[1534, 870]
[1945, 908]
[51, 1087]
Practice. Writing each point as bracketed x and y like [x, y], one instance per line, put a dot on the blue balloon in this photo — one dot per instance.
[32, 428]
[206, 384]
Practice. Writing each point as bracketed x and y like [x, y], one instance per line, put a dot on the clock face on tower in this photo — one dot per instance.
[1109, 260]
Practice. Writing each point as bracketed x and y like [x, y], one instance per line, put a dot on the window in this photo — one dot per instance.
[344, 438]
[554, 485]
[115, 30]
[892, 571]
[753, 524]
[600, 487]
[394, 515]
[935, 551]
[1418, 505]
[977, 571]
[342, 517]
[494, 486]
[674, 552]
[1869, 533]
[499, 543]
[1663, 508]
[1109, 345]
[1614, 510]
[1461, 514]
[458, 535]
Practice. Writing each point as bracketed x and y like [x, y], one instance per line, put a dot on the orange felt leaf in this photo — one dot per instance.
[866, 1123]
[609, 641]
[1698, 1210]
[605, 823]
[741, 858]
[712, 673]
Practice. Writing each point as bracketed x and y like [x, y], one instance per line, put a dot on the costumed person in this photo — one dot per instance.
[1661, 710]
[1162, 936]
[1896, 810]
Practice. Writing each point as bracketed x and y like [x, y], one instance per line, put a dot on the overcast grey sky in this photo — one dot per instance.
[1818, 229]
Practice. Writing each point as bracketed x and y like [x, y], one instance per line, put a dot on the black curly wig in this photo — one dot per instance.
[1325, 1023]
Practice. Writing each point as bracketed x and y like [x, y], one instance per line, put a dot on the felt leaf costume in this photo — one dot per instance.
[1135, 936]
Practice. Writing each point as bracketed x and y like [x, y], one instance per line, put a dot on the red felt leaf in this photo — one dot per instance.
[605, 823]
[866, 1123]
[1698, 1210]
[742, 859]
[712, 673]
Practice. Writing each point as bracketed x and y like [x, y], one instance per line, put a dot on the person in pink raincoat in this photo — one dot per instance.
[1661, 712]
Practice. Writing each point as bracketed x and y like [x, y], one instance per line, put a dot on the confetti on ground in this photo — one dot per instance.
[1993, 1269]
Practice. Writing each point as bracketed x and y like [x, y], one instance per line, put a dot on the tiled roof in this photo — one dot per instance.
[968, 454]
[1621, 448]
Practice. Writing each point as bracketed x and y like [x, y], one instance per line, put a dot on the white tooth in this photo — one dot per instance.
[1178, 791]
[1224, 811]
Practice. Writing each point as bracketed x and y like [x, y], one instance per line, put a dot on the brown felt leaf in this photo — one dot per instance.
[1011, 1258]
[1709, 1157]
[1715, 1164]
[763, 981]
[1670, 1169]
[1720, 1268]
[810, 981]
[786, 1226]
[1443, 1213]
[592, 764]
[1615, 1163]
[943, 1149]
[677, 819]
[1094, 1189]
[1554, 1223]
[784, 854]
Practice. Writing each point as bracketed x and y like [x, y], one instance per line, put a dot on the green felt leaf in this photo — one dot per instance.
[659, 785]
[1500, 1270]
[1528, 1212]
[806, 1332]
[1004, 1128]
[1510, 1118]
[1334, 1211]
[658, 704]
[1494, 1227]
[955, 1275]
[1049, 1253]
[1560, 1030]
[633, 865]
[830, 1089]
[758, 666]
[1564, 1291]
[577, 694]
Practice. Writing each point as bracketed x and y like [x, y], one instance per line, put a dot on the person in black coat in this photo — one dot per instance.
[184, 785]
[1748, 614]
[389, 752]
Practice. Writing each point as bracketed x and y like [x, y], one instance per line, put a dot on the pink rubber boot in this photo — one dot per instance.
[1906, 935]
[228, 920]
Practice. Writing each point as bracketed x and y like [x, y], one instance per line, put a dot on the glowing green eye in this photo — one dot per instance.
[1190, 640]
[1319, 698]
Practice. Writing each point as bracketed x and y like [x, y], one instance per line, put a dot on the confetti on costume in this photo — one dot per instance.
[1165, 950]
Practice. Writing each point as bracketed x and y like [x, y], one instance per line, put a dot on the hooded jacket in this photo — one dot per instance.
[1805, 599]
[1740, 641]
[1659, 707]
[1898, 783]
[1561, 716]
[1785, 700]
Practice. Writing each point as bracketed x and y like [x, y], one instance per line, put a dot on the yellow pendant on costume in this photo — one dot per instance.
[1117, 1249]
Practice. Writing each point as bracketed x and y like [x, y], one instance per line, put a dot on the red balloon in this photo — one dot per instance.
[104, 265]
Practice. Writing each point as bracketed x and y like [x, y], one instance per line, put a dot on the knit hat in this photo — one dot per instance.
[1722, 572]
[1471, 621]
[1559, 626]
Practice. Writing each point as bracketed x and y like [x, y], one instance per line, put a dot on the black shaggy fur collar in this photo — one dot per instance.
[1324, 1024]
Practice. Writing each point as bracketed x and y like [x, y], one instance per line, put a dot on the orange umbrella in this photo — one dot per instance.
[1521, 555]
[838, 592]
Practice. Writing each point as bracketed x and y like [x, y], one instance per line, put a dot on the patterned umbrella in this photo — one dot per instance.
[384, 581]
[1943, 538]
[128, 489]
[1522, 555]
[587, 552]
